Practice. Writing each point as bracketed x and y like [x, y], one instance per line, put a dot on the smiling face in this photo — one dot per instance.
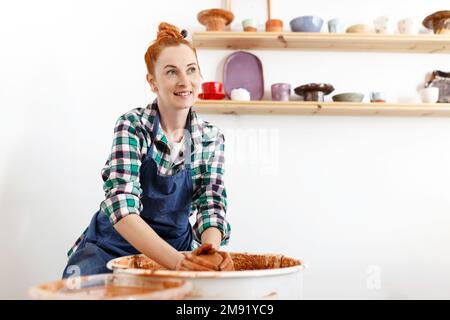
[176, 79]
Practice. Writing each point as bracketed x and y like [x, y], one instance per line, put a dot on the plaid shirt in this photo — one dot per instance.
[130, 145]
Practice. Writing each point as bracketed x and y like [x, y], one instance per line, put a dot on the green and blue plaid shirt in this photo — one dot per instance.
[130, 145]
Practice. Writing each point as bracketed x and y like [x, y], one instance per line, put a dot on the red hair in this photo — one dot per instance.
[168, 36]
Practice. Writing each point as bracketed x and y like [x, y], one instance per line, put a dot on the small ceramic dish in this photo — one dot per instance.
[348, 97]
[211, 96]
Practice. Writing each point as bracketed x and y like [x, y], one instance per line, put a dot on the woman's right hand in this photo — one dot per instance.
[205, 258]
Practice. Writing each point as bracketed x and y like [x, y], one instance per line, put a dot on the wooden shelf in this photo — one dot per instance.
[321, 108]
[420, 43]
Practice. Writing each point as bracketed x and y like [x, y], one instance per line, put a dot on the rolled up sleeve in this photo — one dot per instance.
[211, 202]
[121, 173]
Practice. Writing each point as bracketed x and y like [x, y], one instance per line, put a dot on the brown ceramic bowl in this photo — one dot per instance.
[215, 19]
[439, 22]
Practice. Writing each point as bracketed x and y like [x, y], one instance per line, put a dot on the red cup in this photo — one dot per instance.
[212, 87]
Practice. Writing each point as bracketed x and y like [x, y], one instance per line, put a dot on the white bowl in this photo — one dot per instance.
[383, 24]
[429, 95]
[407, 26]
[240, 94]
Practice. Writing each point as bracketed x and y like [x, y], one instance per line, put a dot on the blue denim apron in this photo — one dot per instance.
[166, 204]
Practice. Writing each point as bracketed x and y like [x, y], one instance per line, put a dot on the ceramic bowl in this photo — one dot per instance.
[429, 95]
[306, 24]
[348, 97]
[407, 26]
[383, 24]
[359, 28]
[240, 94]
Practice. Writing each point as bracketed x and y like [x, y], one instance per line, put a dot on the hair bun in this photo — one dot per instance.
[168, 30]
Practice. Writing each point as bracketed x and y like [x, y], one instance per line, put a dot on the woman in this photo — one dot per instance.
[166, 164]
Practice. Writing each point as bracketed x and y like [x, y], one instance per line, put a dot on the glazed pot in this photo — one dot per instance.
[250, 25]
[281, 91]
[274, 25]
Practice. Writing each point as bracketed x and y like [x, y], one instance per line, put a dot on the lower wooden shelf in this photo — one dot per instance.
[321, 108]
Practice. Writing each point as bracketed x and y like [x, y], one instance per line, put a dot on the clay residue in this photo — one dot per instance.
[242, 262]
[108, 292]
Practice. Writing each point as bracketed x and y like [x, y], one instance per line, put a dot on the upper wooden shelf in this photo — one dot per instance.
[420, 43]
[321, 108]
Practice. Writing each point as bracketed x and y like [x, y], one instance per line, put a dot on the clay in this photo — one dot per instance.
[214, 258]
[218, 260]
[241, 261]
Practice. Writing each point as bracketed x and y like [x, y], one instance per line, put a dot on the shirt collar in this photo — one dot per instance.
[194, 127]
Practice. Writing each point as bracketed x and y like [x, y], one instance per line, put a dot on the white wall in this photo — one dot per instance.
[354, 197]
